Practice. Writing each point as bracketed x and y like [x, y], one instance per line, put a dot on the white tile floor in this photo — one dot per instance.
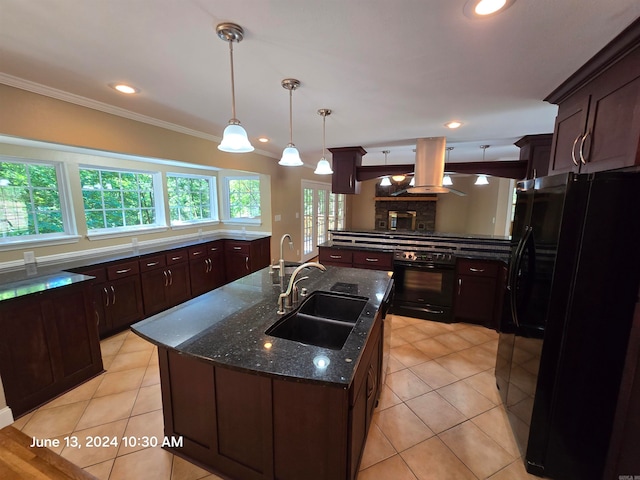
[439, 415]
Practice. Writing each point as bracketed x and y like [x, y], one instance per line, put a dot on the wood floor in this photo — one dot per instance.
[19, 461]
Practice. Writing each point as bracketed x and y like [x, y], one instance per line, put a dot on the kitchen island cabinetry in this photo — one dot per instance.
[165, 280]
[479, 291]
[117, 295]
[206, 267]
[598, 122]
[348, 257]
[243, 257]
[49, 344]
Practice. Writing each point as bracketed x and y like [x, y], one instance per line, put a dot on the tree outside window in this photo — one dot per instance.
[191, 199]
[243, 197]
[116, 199]
[30, 203]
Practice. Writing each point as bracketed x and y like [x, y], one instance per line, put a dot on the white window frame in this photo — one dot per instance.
[308, 254]
[70, 231]
[213, 199]
[226, 210]
[158, 205]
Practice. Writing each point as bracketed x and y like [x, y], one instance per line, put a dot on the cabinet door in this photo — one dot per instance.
[155, 290]
[475, 299]
[124, 302]
[216, 266]
[237, 266]
[199, 273]
[179, 288]
[613, 130]
[335, 256]
[567, 137]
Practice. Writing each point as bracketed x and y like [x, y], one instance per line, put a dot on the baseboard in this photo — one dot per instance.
[6, 417]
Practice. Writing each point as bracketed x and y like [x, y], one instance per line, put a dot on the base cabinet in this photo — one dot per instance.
[243, 257]
[49, 344]
[206, 267]
[247, 426]
[343, 257]
[165, 280]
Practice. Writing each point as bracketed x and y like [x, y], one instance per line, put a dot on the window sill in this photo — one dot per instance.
[124, 233]
[19, 244]
[205, 223]
[242, 221]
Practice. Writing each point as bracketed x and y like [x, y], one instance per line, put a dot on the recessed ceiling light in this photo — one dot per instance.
[263, 139]
[485, 8]
[124, 88]
[453, 124]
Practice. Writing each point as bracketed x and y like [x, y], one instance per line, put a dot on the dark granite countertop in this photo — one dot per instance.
[227, 326]
[38, 278]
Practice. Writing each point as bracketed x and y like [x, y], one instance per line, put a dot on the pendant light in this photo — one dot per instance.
[323, 167]
[385, 181]
[234, 138]
[446, 180]
[290, 155]
[482, 179]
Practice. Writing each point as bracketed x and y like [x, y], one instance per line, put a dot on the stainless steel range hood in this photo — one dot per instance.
[429, 166]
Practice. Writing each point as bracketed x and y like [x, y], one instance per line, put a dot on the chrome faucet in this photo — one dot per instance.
[284, 300]
[281, 260]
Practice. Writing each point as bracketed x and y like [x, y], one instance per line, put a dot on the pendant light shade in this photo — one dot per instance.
[446, 180]
[234, 138]
[290, 155]
[482, 179]
[413, 181]
[323, 167]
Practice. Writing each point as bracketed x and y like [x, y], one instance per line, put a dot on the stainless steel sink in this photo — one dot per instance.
[324, 319]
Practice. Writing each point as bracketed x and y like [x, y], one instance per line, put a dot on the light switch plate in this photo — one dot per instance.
[29, 257]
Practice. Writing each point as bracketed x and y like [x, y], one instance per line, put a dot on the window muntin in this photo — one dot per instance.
[33, 201]
[119, 199]
[243, 197]
[191, 199]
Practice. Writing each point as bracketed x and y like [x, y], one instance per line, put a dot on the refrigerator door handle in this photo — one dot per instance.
[513, 280]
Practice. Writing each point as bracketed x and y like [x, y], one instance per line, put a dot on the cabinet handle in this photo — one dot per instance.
[237, 248]
[372, 259]
[246, 262]
[351, 180]
[195, 254]
[166, 278]
[471, 269]
[97, 317]
[106, 296]
[214, 249]
[170, 278]
[113, 293]
[209, 265]
[335, 256]
[123, 271]
[459, 285]
[584, 137]
[573, 151]
[176, 258]
[151, 264]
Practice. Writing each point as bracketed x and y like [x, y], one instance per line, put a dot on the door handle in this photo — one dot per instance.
[106, 296]
[166, 278]
[170, 278]
[246, 262]
[119, 272]
[581, 152]
[573, 151]
[459, 286]
[113, 292]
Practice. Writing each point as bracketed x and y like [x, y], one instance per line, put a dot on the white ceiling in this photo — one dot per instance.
[391, 70]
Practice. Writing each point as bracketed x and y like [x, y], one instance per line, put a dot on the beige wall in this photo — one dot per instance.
[485, 210]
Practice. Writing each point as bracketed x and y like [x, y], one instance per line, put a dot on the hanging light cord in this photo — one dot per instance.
[233, 88]
[290, 116]
[324, 119]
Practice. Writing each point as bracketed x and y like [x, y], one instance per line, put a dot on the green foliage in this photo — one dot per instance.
[189, 198]
[244, 198]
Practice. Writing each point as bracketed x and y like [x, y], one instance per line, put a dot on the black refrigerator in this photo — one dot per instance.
[572, 289]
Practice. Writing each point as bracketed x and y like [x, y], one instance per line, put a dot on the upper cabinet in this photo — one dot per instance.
[535, 151]
[598, 122]
[345, 162]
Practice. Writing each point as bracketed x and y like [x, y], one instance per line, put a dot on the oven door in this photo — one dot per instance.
[424, 290]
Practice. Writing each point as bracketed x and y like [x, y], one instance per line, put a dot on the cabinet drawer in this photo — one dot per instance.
[375, 260]
[177, 256]
[196, 253]
[121, 270]
[100, 274]
[150, 263]
[335, 255]
[478, 268]
[237, 247]
[214, 247]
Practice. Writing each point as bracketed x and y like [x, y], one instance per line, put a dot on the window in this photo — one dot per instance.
[191, 199]
[33, 203]
[120, 200]
[322, 211]
[242, 198]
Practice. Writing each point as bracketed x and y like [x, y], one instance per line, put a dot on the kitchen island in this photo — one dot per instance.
[250, 405]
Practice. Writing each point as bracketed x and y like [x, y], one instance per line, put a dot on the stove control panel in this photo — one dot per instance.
[425, 257]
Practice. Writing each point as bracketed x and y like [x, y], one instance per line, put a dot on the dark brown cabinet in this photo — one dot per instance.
[342, 257]
[479, 291]
[345, 162]
[598, 122]
[117, 298]
[249, 426]
[243, 257]
[535, 150]
[206, 267]
[165, 280]
[49, 344]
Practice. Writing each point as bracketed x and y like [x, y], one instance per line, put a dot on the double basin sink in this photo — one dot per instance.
[324, 319]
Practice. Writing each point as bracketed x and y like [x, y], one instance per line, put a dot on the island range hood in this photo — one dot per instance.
[429, 167]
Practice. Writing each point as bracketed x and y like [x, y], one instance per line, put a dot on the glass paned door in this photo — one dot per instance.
[323, 211]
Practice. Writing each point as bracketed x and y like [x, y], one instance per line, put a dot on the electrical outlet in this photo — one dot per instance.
[277, 218]
[297, 214]
[29, 257]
